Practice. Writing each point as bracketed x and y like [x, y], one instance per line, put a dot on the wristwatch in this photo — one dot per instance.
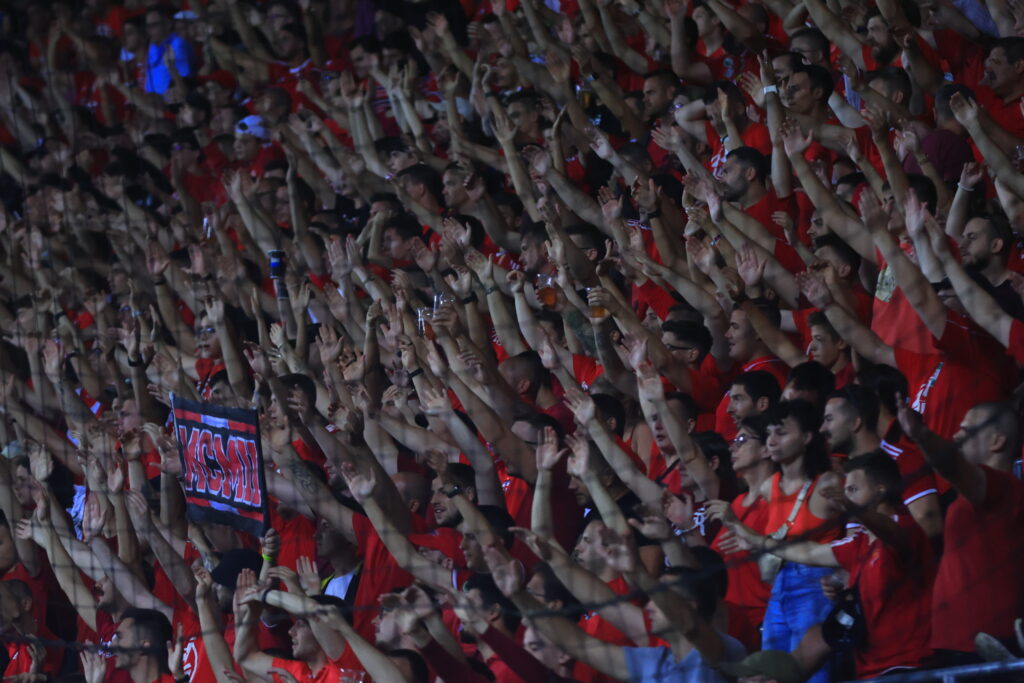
[453, 491]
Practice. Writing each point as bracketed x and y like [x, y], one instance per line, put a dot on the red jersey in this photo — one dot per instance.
[1016, 347]
[594, 625]
[978, 586]
[1007, 114]
[918, 479]
[382, 573]
[893, 319]
[328, 673]
[895, 596]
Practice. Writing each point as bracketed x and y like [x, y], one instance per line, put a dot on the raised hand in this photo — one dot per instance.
[548, 450]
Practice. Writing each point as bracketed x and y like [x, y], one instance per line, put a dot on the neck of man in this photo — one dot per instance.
[885, 419]
[712, 41]
[841, 362]
[759, 351]
[545, 398]
[1013, 90]
[864, 442]
[994, 271]
[343, 562]
[316, 661]
[145, 670]
[754, 194]
[998, 461]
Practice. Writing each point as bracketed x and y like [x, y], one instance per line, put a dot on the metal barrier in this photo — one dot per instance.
[989, 669]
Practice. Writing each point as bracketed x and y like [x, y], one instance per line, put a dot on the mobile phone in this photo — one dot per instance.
[276, 264]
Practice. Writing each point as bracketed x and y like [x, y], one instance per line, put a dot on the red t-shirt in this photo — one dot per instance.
[328, 673]
[1006, 114]
[593, 624]
[20, 655]
[918, 479]
[746, 588]
[978, 586]
[895, 596]
[893, 319]
[380, 575]
[1016, 347]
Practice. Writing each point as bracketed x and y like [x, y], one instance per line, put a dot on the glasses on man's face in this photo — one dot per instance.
[205, 332]
[742, 439]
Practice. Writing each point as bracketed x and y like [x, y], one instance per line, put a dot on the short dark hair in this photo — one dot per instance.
[152, 626]
[819, 77]
[862, 400]
[611, 408]
[666, 76]
[731, 90]
[812, 376]
[844, 251]
[297, 380]
[554, 590]
[821, 42]
[690, 410]
[427, 176]
[881, 469]
[895, 78]
[924, 188]
[490, 597]
[500, 521]
[1013, 46]
[808, 418]
[759, 384]
[887, 382]
[692, 333]
[751, 158]
[462, 475]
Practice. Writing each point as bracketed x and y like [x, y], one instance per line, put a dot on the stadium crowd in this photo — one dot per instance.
[592, 340]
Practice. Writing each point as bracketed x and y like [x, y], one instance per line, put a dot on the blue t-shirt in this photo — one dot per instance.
[659, 665]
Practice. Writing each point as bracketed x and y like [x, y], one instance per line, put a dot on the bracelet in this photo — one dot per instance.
[741, 299]
[263, 598]
[490, 290]
[770, 88]
[58, 314]
[136, 363]
[453, 491]
[158, 281]
[964, 187]
[415, 373]
[683, 532]
[74, 353]
[469, 299]
[269, 559]
[716, 239]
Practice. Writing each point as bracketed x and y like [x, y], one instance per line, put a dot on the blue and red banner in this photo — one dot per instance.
[221, 465]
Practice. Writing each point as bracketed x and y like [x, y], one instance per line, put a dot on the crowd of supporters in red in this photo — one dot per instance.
[591, 340]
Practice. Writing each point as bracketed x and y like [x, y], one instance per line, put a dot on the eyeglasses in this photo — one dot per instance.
[743, 438]
[205, 331]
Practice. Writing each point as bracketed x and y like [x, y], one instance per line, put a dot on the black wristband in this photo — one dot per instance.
[490, 290]
[157, 281]
[469, 299]
[453, 491]
[136, 363]
[415, 373]
[74, 353]
[740, 299]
